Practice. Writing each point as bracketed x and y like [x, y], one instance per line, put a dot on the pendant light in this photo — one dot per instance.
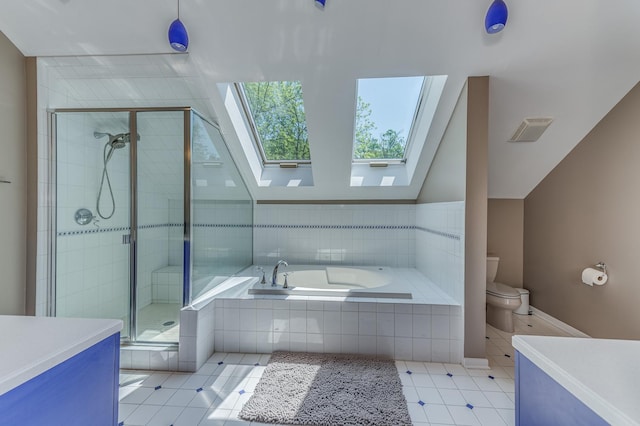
[496, 17]
[178, 37]
[320, 3]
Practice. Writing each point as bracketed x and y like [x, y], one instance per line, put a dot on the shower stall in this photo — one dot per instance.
[143, 225]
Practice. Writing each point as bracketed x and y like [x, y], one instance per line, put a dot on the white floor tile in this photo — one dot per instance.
[181, 398]
[499, 400]
[488, 416]
[422, 380]
[190, 416]
[160, 396]
[463, 416]
[443, 382]
[165, 416]
[509, 416]
[142, 415]
[438, 414]
[417, 414]
[452, 397]
[476, 398]
[465, 382]
[136, 395]
[429, 395]
[124, 410]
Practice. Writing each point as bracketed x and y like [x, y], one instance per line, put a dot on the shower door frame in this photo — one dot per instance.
[133, 208]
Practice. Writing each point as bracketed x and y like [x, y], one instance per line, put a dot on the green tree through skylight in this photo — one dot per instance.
[278, 114]
[390, 144]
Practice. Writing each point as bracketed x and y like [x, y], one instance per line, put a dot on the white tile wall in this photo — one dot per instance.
[403, 331]
[440, 246]
[339, 242]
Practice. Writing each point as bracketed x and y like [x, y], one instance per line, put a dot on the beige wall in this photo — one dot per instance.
[505, 238]
[445, 180]
[588, 210]
[476, 217]
[13, 167]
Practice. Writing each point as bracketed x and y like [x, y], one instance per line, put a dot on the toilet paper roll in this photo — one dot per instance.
[592, 276]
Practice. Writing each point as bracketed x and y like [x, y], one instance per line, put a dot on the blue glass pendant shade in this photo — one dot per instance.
[178, 37]
[496, 17]
[320, 3]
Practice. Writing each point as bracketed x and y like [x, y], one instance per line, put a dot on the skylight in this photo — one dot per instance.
[275, 111]
[385, 113]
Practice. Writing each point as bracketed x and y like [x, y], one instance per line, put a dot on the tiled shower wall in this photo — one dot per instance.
[92, 263]
[440, 245]
[350, 234]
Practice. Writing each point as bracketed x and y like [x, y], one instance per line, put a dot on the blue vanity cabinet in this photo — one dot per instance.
[59, 371]
[541, 401]
[566, 381]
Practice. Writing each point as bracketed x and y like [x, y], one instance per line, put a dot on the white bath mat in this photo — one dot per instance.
[328, 389]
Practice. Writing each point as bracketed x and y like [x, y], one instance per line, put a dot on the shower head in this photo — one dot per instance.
[115, 141]
[120, 140]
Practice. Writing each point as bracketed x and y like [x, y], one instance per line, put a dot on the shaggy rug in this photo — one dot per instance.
[328, 389]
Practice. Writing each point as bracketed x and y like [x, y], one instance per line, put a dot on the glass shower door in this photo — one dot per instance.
[92, 215]
[160, 224]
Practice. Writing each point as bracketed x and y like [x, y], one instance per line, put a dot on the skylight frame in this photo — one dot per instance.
[255, 136]
[424, 90]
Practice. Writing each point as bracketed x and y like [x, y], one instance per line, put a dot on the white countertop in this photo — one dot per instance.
[603, 374]
[31, 345]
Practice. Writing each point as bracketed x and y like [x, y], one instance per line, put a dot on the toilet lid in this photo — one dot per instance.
[502, 290]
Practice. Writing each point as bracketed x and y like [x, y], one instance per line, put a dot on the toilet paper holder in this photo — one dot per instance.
[602, 266]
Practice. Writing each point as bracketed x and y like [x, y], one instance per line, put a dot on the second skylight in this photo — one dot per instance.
[385, 112]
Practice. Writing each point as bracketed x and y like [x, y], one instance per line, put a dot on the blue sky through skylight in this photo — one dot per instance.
[393, 101]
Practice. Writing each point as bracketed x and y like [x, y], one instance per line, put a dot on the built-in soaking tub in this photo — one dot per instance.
[336, 281]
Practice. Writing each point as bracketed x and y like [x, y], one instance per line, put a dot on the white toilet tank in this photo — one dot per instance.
[492, 268]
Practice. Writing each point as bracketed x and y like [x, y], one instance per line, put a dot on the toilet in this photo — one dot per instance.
[502, 299]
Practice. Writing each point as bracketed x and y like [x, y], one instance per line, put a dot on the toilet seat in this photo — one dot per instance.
[502, 290]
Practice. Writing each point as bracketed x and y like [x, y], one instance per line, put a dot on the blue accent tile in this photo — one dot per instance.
[241, 391]
[256, 364]
[507, 355]
[421, 403]
[220, 363]
[409, 372]
[199, 390]
[486, 337]
[449, 374]
[121, 424]
[529, 325]
[470, 407]
[492, 378]
[158, 387]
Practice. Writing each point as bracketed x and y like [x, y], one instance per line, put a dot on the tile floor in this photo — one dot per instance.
[437, 394]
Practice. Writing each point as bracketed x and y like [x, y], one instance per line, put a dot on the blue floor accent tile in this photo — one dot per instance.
[507, 355]
[409, 372]
[121, 424]
[529, 325]
[241, 391]
[158, 387]
[470, 407]
[421, 403]
[256, 364]
[449, 374]
[221, 362]
[199, 390]
[492, 378]
[486, 337]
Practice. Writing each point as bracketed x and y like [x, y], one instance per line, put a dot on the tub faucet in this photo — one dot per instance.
[274, 276]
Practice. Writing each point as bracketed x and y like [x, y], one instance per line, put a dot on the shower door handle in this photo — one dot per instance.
[126, 239]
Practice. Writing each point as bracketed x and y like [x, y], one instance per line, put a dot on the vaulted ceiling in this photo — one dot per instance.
[572, 60]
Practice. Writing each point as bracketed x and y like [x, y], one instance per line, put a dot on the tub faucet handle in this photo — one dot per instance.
[286, 284]
[261, 269]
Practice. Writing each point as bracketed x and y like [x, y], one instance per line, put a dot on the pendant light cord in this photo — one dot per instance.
[178, 9]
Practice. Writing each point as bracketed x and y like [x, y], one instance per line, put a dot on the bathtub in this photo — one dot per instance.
[337, 281]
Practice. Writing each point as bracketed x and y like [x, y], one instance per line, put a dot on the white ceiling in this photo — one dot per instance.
[572, 60]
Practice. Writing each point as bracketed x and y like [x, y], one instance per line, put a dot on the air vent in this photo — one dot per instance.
[531, 129]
